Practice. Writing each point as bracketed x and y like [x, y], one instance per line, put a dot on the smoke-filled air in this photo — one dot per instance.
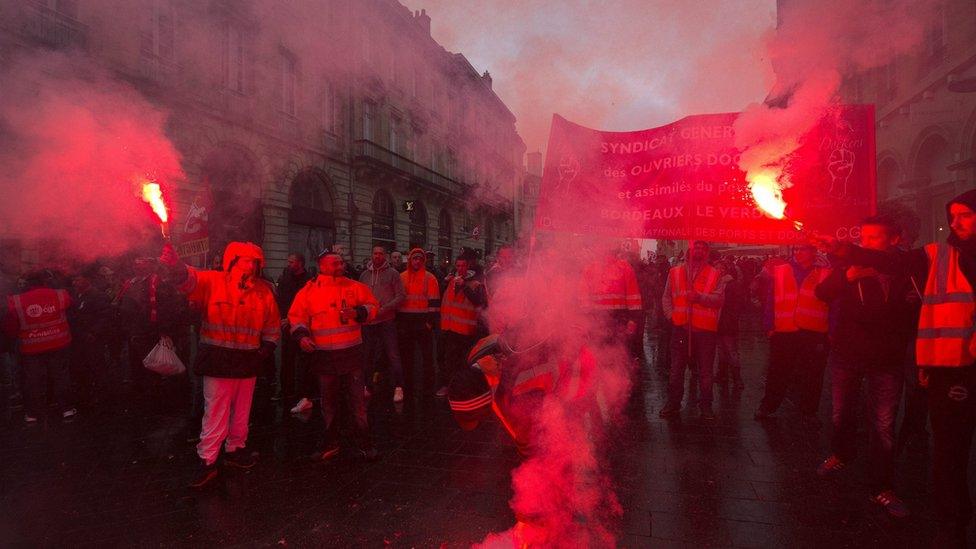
[502, 274]
[77, 145]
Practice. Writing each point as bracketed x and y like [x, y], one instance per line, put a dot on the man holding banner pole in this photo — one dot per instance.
[693, 298]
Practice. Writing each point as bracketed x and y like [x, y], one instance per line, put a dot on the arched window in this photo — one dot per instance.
[929, 173]
[236, 212]
[889, 177]
[445, 228]
[418, 225]
[311, 223]
[384, 228]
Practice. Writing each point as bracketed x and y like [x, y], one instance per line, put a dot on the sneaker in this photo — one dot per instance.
[441, 393]
[30, 420]
[669, 411]
[205, 473]
[894, 506]
[831, 465]
[303, 405]
[241, 457]
[707, 414]
[69, 414]
[398, 394]
[370, 455]
[327, 454]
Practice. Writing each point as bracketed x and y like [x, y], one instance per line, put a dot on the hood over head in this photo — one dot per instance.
[235, 250]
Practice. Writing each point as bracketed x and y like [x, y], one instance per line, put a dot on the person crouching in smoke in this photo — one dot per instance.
[239, 330]
[549, 401]
[513, 382]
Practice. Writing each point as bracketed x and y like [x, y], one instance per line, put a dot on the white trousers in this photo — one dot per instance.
[226, 410]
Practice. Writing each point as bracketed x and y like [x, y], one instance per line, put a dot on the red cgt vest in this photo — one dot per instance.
[42, 320]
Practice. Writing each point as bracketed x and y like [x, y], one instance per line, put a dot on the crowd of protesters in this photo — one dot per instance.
[897, 321]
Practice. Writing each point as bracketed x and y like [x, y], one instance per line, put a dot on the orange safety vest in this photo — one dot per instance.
[317, 306]
[702, 317]
[458, 314]
[798, 310]
[233, 318]
[421, 289]
[612, 286]
[946, 334]
[42, 320]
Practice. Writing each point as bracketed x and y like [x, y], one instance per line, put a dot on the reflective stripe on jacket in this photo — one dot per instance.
[42, 320]
[795, 309]
[611, 286]
[946, 333]
[233, 318]
[423, 294]
[317, 306]
[706, 282]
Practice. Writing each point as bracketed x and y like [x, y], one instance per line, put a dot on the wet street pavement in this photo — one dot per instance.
[735, 482]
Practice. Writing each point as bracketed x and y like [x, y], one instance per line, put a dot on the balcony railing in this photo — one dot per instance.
[53, 28]
[368, 151]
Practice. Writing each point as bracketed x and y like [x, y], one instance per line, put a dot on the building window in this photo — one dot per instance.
[368, 113]
[935, 38]
[445, 229]
[311, 223]
[158, 48]
[395, 134]
[384, 232]
[418, 225]
[232, 58]
[330, 109]
[288, 79]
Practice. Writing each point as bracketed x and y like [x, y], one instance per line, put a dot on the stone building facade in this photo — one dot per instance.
[926, 118]
[305, 125]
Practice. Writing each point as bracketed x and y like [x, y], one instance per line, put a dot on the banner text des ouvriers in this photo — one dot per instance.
[682, 181]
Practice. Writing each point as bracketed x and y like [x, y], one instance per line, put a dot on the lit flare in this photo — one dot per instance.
[153, 194]
[768, 193]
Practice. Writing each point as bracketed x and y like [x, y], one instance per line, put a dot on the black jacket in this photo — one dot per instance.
[91, 316]
[874, 317]
[288, 285]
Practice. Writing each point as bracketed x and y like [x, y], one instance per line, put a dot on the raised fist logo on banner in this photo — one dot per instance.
[840, 165]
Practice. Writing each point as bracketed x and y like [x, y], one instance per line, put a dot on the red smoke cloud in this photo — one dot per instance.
[814, 47]
[76, 146]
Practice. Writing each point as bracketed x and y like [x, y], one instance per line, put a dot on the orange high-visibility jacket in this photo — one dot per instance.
[317, 306]
[798, 309]
[458, 313]
[41, 319]
[611, 286]
[946, 333]
[233, 318]
[702, 317]
[423, 293]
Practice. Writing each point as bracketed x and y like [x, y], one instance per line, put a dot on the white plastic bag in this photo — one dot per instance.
[163, 360]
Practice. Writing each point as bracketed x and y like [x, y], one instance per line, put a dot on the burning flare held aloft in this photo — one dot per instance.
[767, 192]
[153, 195]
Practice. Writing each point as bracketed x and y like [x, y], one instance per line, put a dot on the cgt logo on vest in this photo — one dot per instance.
[35, 310]
[958, 393]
